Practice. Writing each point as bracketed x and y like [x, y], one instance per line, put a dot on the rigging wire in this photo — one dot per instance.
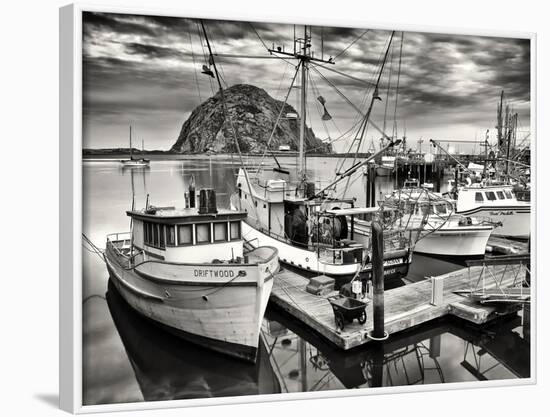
[394, 131]
[266, 47]
[206, 60]
[351, 44]
[279, 117]
[388, 89]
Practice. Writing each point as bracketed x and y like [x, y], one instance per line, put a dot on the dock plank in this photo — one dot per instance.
[404, 307]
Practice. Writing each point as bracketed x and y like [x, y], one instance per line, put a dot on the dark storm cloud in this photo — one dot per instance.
[139, 65]
[152, 51]
[114, 23]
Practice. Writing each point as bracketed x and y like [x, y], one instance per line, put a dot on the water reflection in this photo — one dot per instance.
[128, 359]
[166, 367]
[437, 352]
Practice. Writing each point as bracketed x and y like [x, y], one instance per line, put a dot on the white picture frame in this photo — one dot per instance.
[70, 258]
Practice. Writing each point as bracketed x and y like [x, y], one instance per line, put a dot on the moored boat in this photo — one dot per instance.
[134, 162]
[187, 270]
[387, 166]
[313, 234]
[500, 204]
[437, 229]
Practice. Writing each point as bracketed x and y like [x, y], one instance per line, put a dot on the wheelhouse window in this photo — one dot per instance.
[146, 232]
[441, 208]
[162, 240]
[500, 195]
[203, 232]
[170, 236]
[490, 196]
[508, 194]
[424, 209]
[220, 232]
[155, 235]
[185, 234]
[235, 230]
[479, 198]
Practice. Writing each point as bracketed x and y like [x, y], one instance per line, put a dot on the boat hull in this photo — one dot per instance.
[454, 242]
[395, 265]
[221, 313]
[516, 222]
[383, 171]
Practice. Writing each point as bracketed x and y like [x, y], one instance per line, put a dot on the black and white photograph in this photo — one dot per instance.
[276, 208]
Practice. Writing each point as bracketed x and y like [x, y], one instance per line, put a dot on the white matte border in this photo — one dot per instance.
[70, 182]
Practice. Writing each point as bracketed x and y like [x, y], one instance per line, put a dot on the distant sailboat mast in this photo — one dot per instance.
[131, 153]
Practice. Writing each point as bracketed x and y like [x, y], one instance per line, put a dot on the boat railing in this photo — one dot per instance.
[119, 236]
[120, 242]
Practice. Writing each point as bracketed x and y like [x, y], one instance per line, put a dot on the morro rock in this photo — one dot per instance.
[253, 112]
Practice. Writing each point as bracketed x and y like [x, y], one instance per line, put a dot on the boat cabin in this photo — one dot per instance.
[179, 235]
[471, 197]
[291, 213]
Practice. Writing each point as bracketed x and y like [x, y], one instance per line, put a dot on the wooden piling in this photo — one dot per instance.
[378, 280]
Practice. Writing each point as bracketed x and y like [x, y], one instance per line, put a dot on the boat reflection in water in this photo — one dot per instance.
[167, 368]
[442, 351]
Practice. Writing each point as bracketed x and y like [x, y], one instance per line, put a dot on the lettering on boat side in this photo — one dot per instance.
[213, 273]
[502, 213]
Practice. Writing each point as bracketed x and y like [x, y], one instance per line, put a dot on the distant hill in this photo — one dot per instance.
[254, 113]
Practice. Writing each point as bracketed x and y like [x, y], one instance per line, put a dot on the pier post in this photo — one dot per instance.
[371, 187]
[378, 281]
[377, 366]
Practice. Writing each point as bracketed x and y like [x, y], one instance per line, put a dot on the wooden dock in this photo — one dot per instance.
[405, 307]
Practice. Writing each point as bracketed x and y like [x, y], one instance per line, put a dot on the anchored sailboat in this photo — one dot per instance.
[135, 162]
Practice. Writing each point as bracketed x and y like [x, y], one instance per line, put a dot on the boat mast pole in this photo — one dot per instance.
[227, 117]
[131, 156]
[301, 167]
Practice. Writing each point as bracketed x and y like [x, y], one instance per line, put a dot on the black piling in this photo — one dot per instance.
[371, 187]
[192, 193]
[378, 281]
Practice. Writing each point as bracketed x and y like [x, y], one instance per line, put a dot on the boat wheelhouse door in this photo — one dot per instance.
[296, 224]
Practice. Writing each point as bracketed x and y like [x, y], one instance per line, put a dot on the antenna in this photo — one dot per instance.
[303, 53]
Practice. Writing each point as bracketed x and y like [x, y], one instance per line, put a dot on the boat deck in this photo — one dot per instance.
[404, 307]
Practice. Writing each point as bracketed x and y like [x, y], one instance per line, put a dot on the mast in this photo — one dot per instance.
[302, 52]
[303, 96]
[131, 154]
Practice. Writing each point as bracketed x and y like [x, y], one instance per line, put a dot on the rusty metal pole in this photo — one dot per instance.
[378, 280]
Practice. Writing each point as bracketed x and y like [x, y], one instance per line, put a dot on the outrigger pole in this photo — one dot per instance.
[436, 144]
[352, 170]
[226, 116]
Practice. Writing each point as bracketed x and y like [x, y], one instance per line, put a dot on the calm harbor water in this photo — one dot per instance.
[128, 359]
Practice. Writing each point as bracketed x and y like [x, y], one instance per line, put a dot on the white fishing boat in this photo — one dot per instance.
[187, 270]
[134, 162]
[313, 226]
[437, 230]
[500, 204]
[313, 234]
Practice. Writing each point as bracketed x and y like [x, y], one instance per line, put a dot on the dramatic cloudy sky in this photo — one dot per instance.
[145, 71]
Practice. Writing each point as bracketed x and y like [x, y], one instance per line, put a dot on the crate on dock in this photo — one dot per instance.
[320, 285]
